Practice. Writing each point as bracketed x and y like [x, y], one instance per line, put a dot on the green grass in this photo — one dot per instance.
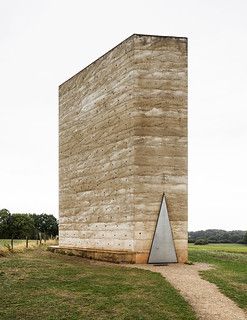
[224, 247]
[230, 272]
[38, 284]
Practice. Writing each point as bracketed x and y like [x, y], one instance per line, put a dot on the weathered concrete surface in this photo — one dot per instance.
[123, 142]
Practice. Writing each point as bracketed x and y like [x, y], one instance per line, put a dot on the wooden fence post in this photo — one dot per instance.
[12, 243]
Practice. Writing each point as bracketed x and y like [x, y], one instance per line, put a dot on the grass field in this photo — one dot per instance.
[37, 284]
[230, 272]
[20, 245]
[229, 247]
[17, 242]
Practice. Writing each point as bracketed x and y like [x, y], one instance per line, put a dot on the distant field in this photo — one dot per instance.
[21, 244]
[230, 273]
[224, 247]
[16, 242]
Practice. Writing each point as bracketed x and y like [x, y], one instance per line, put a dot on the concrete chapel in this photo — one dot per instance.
[123, 153]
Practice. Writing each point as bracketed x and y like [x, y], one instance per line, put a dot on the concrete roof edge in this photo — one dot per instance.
[158, 36]
[132, 36]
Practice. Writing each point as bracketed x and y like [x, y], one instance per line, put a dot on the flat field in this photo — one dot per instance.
[218, 247]
[37, 284]
[17, 242]
[230, 272]
[19, 245]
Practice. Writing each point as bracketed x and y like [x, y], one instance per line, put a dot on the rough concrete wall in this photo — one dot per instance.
[96, 154]
[123, 142]
[160, 138]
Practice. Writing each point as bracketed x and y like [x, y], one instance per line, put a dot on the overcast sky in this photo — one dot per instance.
[44, 42]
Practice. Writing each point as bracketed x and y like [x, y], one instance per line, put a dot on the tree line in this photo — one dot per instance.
[218, 236]
[27, 226]
[34, 226]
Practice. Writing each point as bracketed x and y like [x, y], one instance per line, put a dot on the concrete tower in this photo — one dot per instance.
[122, 144]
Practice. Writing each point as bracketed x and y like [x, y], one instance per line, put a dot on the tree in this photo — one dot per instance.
[245, 238]
[217, 236]
[4, 223]
[201, 242]
[47, 224]
[22, 226]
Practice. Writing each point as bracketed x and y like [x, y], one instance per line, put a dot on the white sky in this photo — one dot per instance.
[44, 42]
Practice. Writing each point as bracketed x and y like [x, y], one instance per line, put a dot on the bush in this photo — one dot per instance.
[245, 238]
[201, 242]
[240, 242]
[191, 240]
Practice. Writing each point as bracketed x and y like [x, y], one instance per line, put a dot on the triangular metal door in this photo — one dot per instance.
[162, 248]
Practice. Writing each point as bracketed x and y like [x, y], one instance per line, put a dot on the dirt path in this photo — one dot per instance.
[206, 299]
